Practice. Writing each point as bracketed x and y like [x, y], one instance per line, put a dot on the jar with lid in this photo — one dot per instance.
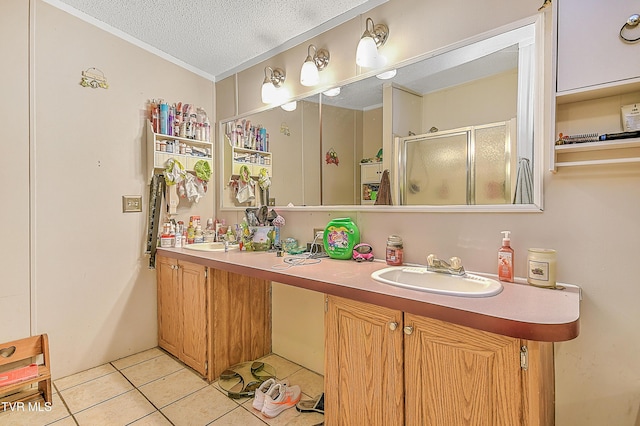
[395, 251]
[541, 267]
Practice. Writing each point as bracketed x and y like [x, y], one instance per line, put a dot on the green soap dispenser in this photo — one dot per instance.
[340, 236]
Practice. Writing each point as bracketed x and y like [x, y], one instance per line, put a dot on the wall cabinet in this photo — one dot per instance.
[370, 175]
[597, 72]
[160, 148]
[384, 366]
[211, 319]
[590, 49]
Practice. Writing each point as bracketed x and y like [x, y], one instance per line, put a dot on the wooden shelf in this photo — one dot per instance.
[600, 91]
[599, 146]
[25, 351]
[156, 160]
[620, 144]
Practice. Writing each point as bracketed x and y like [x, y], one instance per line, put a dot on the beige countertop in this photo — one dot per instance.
[520, 310]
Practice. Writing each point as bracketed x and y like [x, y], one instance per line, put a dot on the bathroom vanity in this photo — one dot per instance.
[392, 355]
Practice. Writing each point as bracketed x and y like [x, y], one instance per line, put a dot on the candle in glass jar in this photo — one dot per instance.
[541, 267]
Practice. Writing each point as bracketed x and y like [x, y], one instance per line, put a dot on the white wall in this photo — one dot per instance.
[90, 287]
[14, 173]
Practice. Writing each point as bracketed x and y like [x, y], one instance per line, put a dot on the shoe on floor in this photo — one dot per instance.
[312, 405]
[258, 397]
[279, 398]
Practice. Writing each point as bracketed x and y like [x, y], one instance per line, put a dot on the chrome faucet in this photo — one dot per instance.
[454, 267]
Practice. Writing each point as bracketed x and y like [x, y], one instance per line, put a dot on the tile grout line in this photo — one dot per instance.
[144, 396]
[64, 403]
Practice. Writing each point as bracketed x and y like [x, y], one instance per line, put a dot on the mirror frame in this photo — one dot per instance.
[539, 98]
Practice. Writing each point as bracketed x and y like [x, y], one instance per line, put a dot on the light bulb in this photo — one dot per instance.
[332, 92]
[268, 92]
[309, 75]
[367, 52]
[289, 106]
[387, 74]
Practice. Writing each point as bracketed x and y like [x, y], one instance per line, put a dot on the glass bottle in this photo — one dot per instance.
[395, 251]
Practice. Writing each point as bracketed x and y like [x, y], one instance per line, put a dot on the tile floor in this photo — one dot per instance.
[152, 388]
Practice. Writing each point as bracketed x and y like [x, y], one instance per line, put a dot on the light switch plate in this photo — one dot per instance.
[131, 203]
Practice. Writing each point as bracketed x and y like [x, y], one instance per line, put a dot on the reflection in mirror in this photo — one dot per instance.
[285, 145]
[333, 142]
[471, 165]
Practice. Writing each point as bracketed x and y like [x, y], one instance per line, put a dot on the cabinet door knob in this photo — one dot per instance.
[408, 330]
[393, 325]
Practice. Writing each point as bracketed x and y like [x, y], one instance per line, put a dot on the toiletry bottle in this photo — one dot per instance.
[179, 231]
[190, 232]
[505, 259]
[198, 236]
[395, 251]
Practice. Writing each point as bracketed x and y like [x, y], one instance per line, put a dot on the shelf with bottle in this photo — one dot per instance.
[186, 121]
[241, 134]
[161, 148]
[601, 152]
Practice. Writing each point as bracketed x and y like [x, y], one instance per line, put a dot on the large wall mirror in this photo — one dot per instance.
[456, 131]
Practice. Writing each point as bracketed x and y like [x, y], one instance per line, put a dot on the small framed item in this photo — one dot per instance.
[362, 252]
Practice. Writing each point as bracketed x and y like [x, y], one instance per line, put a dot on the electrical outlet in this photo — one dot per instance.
[272, 202]
[131, 203]
[318, 233]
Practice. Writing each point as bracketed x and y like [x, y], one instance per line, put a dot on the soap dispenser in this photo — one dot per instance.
[505, 259]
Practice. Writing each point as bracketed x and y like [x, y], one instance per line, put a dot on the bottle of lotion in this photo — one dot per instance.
[505, 259]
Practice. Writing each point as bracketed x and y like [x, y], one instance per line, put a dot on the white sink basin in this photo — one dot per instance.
[419, 278]
[210, 247]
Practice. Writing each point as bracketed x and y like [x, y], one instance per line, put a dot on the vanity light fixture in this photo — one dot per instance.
[273, 79]
[387, 74]
[332, 92]
[289, 106]
[373, 37]
[316, 62]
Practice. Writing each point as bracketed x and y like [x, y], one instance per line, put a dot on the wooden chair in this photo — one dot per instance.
[20, 370]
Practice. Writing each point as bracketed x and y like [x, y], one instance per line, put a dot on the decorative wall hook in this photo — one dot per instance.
[94, 78]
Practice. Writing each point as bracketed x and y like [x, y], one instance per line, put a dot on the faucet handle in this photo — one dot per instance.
[431, 259]
[456, 262]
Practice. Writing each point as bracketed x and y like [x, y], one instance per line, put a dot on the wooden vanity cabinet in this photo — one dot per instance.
[211, 319]
[241, 319]
[183, 311]
[363, 364]
[388, 367]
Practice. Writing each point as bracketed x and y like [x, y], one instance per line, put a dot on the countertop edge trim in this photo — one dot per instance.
[507, 327]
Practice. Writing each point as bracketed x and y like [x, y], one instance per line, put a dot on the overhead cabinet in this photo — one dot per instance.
[597, 72]
[387, 367]
[591, 51]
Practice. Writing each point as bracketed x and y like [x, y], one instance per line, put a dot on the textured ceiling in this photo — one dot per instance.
[219, 36]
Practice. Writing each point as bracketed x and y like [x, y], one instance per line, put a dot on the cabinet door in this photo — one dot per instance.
[590, 50]
[460, 376]
[241, 319]
[194, 299]
[371, 173]
[169, 324]
[363, 364]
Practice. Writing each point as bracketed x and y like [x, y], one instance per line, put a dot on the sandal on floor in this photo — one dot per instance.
[311, 405]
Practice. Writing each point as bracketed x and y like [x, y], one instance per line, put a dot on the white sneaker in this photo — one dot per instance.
[280, 397]
[265, 387]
